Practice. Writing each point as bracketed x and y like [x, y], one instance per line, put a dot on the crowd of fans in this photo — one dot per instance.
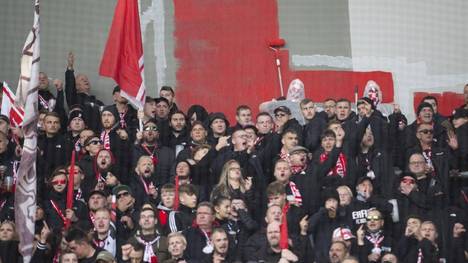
[163, 185]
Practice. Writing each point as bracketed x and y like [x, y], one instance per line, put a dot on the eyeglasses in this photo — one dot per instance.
[373, 218]
[150, 128]
[123, 194]
[95, 142]
[57, 182]
[407, 181]
[427, 131]
[278, 115]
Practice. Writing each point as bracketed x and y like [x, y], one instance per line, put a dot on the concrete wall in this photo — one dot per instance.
[422, 42]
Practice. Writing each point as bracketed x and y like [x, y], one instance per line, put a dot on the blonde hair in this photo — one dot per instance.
[347, 189]
[223, 186]
[12, 224]
[176, 234]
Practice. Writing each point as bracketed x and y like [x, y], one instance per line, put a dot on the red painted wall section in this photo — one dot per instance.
[448, 101]
[323, 84]
[222, 51]
[224, 60]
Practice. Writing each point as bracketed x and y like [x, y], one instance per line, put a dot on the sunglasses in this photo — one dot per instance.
[427, 131]
[373, 218]
[95, 142]
[407, 181]
[150, 128]
[123, 194]
[57, 182]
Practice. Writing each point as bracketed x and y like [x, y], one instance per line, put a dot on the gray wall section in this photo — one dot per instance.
[315, 27]
[16, 18]
[422, 42]
[81, 26]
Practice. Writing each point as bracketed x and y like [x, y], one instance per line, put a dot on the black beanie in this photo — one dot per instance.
[366, 100]
[422, 106]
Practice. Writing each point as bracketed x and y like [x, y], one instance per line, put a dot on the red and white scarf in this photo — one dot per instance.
[151, 154]
[123, 124]
[149, 255]
[105, 139]
[340, 166]
[296, 193]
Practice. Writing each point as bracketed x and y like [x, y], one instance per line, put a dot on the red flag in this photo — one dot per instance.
[284, 228]
[9, 109]
[123, 56]
[71, 180]
[176, 198]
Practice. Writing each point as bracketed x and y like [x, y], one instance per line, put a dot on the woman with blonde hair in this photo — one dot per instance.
[9, 242]
[232, 184]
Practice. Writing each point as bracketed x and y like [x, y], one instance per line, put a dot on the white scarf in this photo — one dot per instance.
[149, 252]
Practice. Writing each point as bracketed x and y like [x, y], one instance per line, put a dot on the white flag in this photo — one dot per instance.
[26, 97]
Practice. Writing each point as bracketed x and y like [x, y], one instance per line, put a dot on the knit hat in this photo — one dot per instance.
[282, 109]
[97, 192]
[460, 113]
[105, 256]
[330, 193]
[362, 179]
[407, 174]
[75, 113]
[367, 101]
[112, 110]
[121, 187]
[217, 115]
[297, 149]
[422, 106]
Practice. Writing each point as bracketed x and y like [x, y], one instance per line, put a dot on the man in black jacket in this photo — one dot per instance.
[372, 241]
[323, 223]
[127, 118]
[243, 117]
[178, 134]
[116, 140]
[199, 235]
[271, 252]
[424, 115]
[314, 125]
[183, 218]
[144, 183]
[77, 91]
[79, 243]
[284, 122]
[52, 149]
[438, 118]
[163, 157]
[364, 200]
[127, 213]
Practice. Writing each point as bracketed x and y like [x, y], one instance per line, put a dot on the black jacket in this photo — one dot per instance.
[182, 219]
[312, 132]
[386, 246]
[196, 241]
[91, 106]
